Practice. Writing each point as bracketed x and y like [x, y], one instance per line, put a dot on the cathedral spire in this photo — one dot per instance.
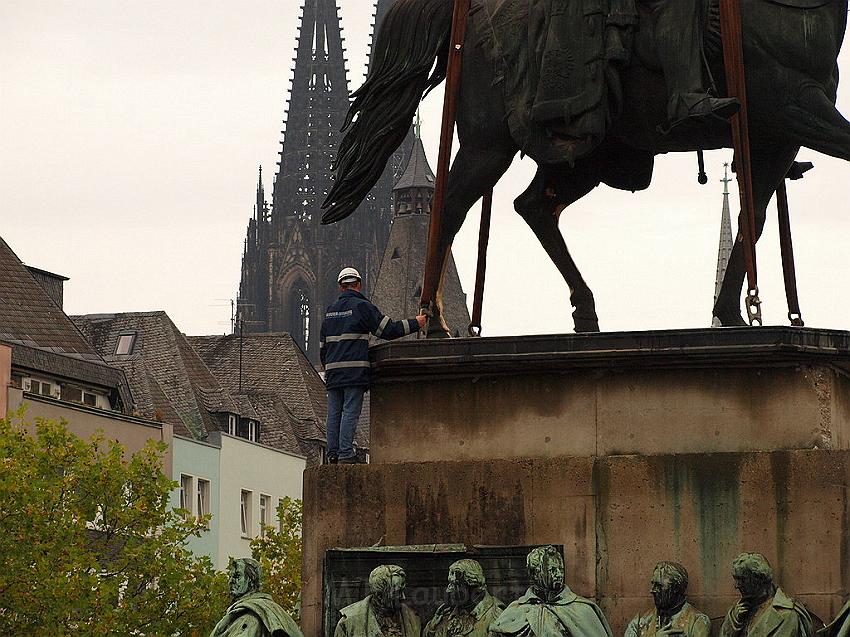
[316, 111]
[727, 239]
[260, 205]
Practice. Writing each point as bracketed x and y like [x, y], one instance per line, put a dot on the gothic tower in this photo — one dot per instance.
[290, 261]
[399, 284]
[727, 241]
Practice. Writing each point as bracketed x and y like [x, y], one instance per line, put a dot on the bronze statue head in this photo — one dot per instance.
[386, 585]
[546, 568]
[753, 576]
[467, 584]
[669, 586]
[245, 575]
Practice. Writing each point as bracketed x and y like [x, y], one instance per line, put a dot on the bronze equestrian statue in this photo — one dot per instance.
[592, 90]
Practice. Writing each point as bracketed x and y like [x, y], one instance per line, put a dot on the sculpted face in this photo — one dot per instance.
[665, 590]
[239, 581]
[548, 577]
[458, 592]
[748, 586]
[392, 596]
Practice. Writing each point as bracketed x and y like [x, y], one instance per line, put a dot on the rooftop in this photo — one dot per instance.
[276, 379]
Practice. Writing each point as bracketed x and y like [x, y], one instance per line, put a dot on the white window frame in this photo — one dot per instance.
[253, 430]
[203, 488]
[54, 391]
[232, 424]
[245, 512]
[265, 510]
[187, 492]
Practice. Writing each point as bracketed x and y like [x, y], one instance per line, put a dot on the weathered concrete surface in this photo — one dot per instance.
[595, 412]
[657, 392]
[615, 516]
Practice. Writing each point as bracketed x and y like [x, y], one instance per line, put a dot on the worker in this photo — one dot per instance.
[344, 353]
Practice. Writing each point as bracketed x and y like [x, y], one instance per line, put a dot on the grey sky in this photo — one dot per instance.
[131, 135]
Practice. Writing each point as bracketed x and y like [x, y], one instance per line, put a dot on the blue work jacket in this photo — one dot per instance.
[344, 341]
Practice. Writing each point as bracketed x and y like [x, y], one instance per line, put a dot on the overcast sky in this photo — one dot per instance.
[131, 132]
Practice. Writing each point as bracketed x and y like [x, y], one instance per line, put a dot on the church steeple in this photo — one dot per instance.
[399, 282]
[727, 240]
[415, 188]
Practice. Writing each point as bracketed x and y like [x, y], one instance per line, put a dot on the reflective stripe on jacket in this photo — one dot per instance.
[344, 341]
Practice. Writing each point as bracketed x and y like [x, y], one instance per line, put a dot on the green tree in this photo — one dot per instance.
[279, 553]
[90, 544]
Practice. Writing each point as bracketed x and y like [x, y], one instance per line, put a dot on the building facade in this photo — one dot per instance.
[237, 482]
[51, 371]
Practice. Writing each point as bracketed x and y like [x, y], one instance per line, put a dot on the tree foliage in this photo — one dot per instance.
[279, 553]
[90, 544]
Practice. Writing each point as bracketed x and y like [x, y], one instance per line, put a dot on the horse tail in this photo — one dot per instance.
[414, 34]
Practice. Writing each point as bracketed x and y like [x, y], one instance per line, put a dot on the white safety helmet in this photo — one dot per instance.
[348, 275]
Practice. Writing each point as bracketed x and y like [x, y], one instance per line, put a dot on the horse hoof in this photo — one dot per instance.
[438, 331]
[732, 320]
[586, 326]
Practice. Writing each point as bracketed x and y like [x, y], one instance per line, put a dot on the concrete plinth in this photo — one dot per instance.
[625, 449]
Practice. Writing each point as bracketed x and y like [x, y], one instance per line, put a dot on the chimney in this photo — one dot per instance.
[53, 284]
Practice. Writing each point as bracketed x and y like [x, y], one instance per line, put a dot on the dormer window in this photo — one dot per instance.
[125, 345]
[232, 422]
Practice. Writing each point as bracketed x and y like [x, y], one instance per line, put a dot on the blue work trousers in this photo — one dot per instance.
[344, 406]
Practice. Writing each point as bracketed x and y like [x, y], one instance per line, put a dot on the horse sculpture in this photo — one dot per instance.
[790, 48]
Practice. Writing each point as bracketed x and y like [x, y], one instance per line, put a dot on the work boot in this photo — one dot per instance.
[698, 108]
[351, 460]
[332, 458]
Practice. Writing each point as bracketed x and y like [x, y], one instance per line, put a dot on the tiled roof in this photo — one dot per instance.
[418, 173]
[277, 379]
[28, 316]
[168, 379]
[43, 338]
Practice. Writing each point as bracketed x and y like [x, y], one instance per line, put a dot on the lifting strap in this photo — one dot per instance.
[434, 270]
[731, 30]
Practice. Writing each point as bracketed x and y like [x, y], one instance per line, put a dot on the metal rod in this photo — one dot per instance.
[481, 273]
[733, 55]
[434, 270]
[789, 270]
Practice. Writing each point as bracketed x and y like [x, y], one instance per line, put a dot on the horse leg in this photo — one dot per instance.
[541, 206]
[474, 173]
[770, 165]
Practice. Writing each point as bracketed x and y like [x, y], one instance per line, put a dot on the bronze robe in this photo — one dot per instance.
[474, 624]
[359, 620]
[782, 617]
[840, 626]
[689, 620]
[256, 615]
[569, 614]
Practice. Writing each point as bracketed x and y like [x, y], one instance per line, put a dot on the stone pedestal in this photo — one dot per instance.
[624, 448]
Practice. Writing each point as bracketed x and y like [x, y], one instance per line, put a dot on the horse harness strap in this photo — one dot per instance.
[433, 270]
[789, 271]
[731, 29]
